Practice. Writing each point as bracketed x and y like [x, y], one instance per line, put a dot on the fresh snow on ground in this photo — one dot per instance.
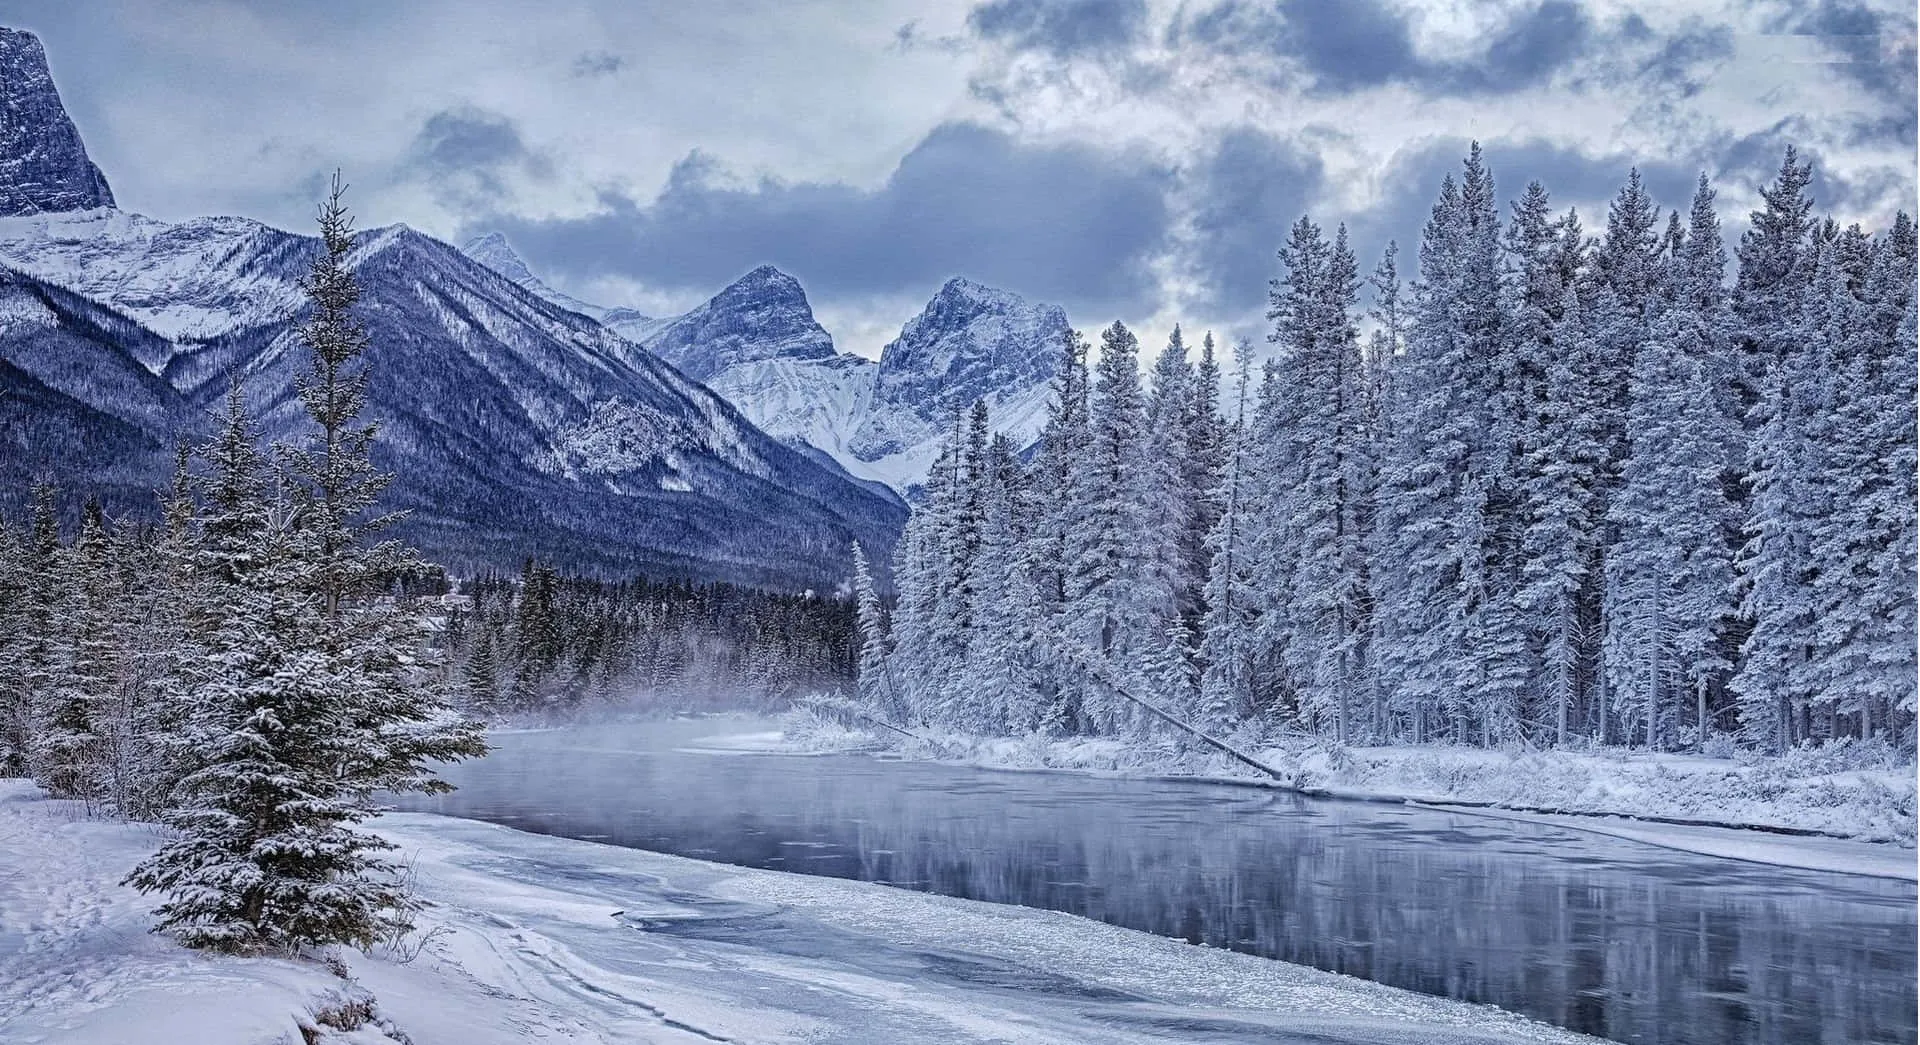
[1849, 796]
[530, 938]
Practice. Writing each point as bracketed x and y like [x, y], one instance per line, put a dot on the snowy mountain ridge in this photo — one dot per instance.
[756, 343]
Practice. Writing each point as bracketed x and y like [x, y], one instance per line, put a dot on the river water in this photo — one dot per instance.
[1608, 937]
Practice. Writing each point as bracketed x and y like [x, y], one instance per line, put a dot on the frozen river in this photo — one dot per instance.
[1607, 937]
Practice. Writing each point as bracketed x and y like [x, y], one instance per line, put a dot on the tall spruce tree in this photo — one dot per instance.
[323, 691]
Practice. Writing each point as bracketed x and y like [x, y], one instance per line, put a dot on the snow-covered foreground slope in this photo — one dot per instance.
[529, 938]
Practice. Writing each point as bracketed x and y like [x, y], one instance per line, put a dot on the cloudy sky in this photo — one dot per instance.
[1132, 159]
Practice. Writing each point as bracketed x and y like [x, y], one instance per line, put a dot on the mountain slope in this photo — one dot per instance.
[59, 354]
[517, 426]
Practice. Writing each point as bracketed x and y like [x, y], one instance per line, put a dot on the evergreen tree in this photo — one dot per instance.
[321, 691]
[72, 738]
[876, 690]
[1320, 470]
[1226, 645]
[1117, 608]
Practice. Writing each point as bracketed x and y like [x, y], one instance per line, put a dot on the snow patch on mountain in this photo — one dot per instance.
[760, 316]
[198, 279]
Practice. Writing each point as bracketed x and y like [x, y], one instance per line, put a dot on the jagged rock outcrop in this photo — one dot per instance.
[43, 163]
[762, 315]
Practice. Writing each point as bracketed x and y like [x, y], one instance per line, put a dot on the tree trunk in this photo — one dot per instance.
[1700, 697]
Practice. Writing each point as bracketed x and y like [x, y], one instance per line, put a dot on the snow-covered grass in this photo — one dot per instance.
[523, 937]
[1842, 789]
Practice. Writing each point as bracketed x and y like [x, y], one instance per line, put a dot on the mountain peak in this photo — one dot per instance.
[768, 283]
[43, 163]
[493, 251]
[762, 315]
[971, 342]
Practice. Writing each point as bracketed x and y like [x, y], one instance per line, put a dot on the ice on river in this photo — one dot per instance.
[535, 938]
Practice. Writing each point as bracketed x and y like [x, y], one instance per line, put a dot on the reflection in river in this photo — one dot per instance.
[1612, 938]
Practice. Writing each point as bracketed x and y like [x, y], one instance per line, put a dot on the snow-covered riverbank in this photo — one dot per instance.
[1737, 807]
[526, 937]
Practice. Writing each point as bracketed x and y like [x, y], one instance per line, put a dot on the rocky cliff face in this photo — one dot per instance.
[970, 343]
[43, 164]
[762, 315]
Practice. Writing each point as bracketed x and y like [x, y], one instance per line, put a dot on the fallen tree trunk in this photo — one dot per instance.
[1100, 673]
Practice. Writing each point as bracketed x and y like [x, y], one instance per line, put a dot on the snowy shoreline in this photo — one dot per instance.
[1849, 821]
[524, 936]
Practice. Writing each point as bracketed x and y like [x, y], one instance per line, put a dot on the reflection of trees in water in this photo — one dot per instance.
[1380, 893]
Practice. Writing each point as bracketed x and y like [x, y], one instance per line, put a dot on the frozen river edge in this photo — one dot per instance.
[1631, 796]
[526, 937]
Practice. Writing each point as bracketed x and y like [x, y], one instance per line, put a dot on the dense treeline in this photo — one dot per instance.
[551, 643]
[1566, 489]
[251, 672]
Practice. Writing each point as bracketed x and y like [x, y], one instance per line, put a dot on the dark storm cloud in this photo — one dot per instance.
[1874, 48]
[1681, 61]
[1352, 45]
[1250, 190]
[1062, 28]
[465, 156]
[1062, 222]
[1537, 42]
[1359, 44]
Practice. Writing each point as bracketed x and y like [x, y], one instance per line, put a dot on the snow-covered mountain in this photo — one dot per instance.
[517, 426]
[757, 344]
[884, 420]
[970, 343]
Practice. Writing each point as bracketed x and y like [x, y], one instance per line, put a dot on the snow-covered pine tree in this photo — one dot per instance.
[481, 677]
[264, 856]
[1115, 610]
[1863, 666]
[1205, 459]
[1175, 499]
[1557, 457]
[1226, 634]
[171, 609]
[15, 712]
[1054, 505]
[323, 691]
[393, 706]
[37, 663]
[1789, 495]
[874, 688]
[1669, 574]
[1773, 257]
[1319, 469]
[1843, 465]
[72, 743]
[1446, 503]
[1004, 659]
